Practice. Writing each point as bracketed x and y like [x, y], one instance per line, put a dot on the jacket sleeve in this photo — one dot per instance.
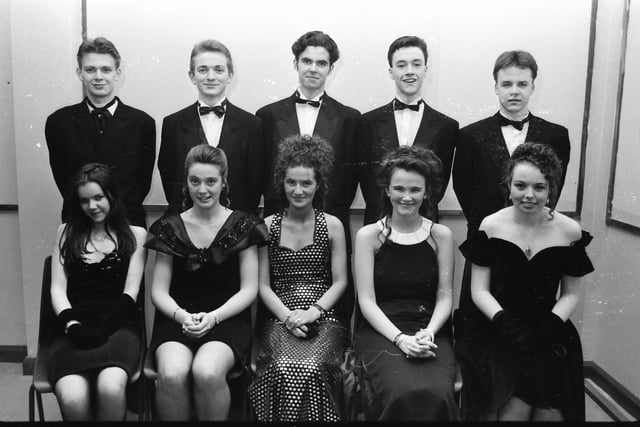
[56, 155]
[148, 156]
[462, 174]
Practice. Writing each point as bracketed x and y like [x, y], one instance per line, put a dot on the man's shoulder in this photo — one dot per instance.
[178, 115]
[547, 125]
[344, 110]
[242, 115]
[273, 107]
[66, 111]
[479, 126]
[436, 115]
[378, 112]
[133, 112]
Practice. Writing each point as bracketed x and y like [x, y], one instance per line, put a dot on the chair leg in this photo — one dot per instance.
[141, 401]
[40, 408]
[32, 392]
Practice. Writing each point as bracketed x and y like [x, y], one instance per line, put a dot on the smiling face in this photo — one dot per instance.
[204, 182]
[211, 76]
[529, 189]
[514, 87]
[98, 74]
[93, 202]
[300, 186]
[313, 66]
[406, 192]
[408, 70]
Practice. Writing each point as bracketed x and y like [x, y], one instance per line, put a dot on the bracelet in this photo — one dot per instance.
[175, 311]
[396, 339]
[319, 307]
[69, 324]
[285, 318]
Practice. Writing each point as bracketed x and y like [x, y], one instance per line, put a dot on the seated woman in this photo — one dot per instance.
[303, 273]
[403, 273]
[96, 271]
[521, 356]
[205, 278]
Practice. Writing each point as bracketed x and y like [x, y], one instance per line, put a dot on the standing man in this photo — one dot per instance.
[484, 147]
[102, 129]
[310, 111]
[213, 120]
[407, 120]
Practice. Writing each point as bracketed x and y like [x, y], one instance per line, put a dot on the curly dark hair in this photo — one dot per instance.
[415, 159]
[209, 155]
[545, 159]
[307, 151]
[77, 231]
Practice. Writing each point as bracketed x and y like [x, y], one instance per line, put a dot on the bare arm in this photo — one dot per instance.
[444, 297]
[59, 299]
[136, 264]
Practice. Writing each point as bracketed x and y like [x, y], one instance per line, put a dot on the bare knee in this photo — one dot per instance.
[209, 377]
[72, 393]
[112, 383]
[173, 375]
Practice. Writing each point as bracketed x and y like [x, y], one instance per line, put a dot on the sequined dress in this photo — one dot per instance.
[205, 278]
[492, 368]
[92, 290]
[297, 379]
[406, 284]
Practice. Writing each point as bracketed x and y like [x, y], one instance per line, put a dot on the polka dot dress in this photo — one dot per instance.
[296, 379]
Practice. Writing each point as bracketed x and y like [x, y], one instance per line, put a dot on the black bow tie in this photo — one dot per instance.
[218, 110]
[101, 115]
[315, 104]
[399, 105]
[516, 124]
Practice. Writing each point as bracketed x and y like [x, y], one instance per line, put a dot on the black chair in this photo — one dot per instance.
[46, 329]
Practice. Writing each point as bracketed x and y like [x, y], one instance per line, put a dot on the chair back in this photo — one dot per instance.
[48, 319]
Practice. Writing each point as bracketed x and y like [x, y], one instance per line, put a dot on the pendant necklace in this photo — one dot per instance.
[527, 251]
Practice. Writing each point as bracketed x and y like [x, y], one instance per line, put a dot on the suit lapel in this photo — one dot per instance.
[534, 134]
[117, 124]
[497, 146]
[327, 121]
[287, 120]
[228, 135]
[192, 128]
[387, 127]
[427, 130]
[83, 121]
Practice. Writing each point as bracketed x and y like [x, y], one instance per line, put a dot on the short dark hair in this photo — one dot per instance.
[206, 154]
[515, 58]
[414, 159]
[98, 45]
[545, 159]
[210, 45]
[407, 41]
[77, 230]
[311, 152]
[318, 39]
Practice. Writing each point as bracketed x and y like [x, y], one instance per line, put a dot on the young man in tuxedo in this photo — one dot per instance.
[213, 120]
[311, 111]
[406, 120]
[484, 147]
[102, 129]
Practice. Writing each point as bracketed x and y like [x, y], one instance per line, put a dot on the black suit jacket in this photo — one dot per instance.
[241, 141]
[377, 136]
[128, 147]
[481, 164]
[336, 124]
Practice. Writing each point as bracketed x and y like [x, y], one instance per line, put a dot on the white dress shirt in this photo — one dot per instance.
[212, 124]
[407, 123]
[512, 136]
[307, 114]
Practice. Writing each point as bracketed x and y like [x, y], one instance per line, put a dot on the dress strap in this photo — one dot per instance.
[320, 232]
[275, 229]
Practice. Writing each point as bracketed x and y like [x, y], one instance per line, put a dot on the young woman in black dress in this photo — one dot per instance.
[96, 271]
[205, 279]
[520, 354]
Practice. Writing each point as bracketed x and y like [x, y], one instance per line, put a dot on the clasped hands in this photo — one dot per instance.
[197, 325]
[300, 323]
[421, 345]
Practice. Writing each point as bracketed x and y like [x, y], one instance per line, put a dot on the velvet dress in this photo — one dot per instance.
[493, 370]
[92, 290]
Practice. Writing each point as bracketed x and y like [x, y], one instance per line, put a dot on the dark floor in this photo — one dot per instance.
[14, 389]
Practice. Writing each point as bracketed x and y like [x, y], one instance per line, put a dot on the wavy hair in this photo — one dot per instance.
[311, 152]
[77, 231]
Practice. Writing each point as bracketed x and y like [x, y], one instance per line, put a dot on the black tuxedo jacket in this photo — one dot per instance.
[377, 136]
[241, 141]
[482, 159]
[336, 124]
[128, 146]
